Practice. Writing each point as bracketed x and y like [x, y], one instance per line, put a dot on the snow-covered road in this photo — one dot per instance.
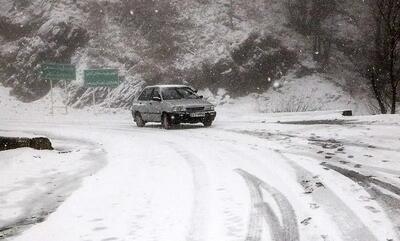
[243, 179]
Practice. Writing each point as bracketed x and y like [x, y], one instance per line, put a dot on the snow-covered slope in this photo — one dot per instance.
[158, 41]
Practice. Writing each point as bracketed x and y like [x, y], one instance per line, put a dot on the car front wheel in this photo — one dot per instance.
[207, 122]
[139, 120]
[166, 121]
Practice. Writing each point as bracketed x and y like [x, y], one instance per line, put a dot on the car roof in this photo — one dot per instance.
[166, 86]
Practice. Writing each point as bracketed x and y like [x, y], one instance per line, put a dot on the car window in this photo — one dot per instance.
[178, 93]
[170, 94]
[187, 93]
[146, 94]
[156, 93]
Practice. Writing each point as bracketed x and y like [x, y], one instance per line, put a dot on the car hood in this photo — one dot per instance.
[188, 102]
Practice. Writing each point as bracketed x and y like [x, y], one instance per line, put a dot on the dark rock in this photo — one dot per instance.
[39, 143]
[7, 143]
[347, 113]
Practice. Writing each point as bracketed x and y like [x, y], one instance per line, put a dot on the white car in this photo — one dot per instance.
[172, 105]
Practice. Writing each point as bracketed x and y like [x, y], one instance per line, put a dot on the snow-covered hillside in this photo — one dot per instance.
[194, 42]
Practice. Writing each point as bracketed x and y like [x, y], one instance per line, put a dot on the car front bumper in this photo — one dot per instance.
[192, 117]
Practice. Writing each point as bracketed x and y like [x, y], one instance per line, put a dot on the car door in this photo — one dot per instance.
[155, 107]
[144, 104]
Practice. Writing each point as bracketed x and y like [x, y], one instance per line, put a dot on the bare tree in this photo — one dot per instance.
[158, 21]
[298, 14]
[231, 13]
[384, 69]
[308, 17]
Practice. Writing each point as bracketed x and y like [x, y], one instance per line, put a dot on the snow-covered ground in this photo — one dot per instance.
[252, 176]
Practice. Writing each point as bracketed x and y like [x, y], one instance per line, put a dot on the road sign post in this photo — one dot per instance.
[51, 97]
[66, 96]
[58, 72]
[109, 99]
[101, 78]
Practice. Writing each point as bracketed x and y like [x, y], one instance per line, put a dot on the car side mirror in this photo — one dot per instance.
[201, 97]
[156, 98]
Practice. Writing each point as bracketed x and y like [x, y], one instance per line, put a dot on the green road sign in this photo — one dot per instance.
[101, 78]
[58, 72]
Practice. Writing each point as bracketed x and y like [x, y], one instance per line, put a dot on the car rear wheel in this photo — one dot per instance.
[139, 120]
[166, 121]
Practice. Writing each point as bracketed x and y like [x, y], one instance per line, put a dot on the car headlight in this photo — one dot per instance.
[211, 107]
[178, 108]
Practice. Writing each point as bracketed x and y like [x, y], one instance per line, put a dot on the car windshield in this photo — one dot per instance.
[176, 93]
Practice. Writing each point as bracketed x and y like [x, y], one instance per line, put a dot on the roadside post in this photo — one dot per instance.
[51, 97]
[109, 100]
[66, 96]
[101, 78]
[58, 72]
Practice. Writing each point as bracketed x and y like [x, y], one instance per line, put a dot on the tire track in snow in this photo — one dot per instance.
[350, 225]
[197, 225]
[360, 178]
[372, 186]
[287, 230]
